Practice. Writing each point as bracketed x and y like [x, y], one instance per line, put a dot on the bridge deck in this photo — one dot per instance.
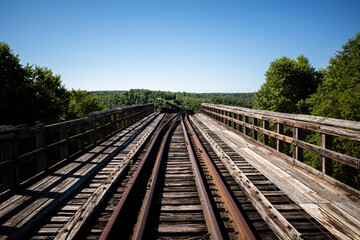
[335, 208]
[26, 208]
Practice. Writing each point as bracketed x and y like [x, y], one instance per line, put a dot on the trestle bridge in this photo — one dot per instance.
[227, 173]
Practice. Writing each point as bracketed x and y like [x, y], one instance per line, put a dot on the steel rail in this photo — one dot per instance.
[239, 222]
[210, 218]
[144, 212]
[109, 231]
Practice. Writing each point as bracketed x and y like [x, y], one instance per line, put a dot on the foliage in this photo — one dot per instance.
[338, 96]
[81, 104]
[32, 93]
[15, 91]
[50, 98]
[114, 99]
[288, 83]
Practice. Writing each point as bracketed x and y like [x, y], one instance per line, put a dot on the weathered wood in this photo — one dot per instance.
[351, 161]
[40, 206]
[97, 132]
[273, 218]
[326, 162]
[325, 199]
[299, 117]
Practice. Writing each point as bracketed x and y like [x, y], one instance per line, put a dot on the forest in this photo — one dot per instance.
[114, 99]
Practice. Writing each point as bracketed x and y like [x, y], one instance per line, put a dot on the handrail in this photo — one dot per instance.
[27, 152]
[251, 123]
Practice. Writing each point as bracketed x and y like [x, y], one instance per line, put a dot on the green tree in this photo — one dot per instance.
[51, 99]
[15, 91]
[81, 104]
[288, 83]
[338, 96]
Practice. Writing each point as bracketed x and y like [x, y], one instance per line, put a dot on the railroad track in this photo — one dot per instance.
[171, 199]
[43, 209]
[265, 206]
[174, 179]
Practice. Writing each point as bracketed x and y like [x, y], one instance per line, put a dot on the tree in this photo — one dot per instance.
[50, 97]
[32, 93]
[338, 96]
[81, 104]
[288, 83]
[15, 91]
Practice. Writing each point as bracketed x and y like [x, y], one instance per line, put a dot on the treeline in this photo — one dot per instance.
[294, 86]
[31, 93]
[114, 99]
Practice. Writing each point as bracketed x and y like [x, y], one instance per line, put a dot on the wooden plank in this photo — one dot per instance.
[342, 225]
[307, 118]
[351, 161]
[71, 228]
[183, 228]
[323, 200]
[180, 208]
[40, 207]
[281, 227]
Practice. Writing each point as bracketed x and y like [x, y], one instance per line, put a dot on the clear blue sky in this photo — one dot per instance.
[175, 45]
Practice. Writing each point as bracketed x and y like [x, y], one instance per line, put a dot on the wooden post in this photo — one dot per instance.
[80, 142]
[246, 120]
[10, 175]
[280, 130]
[297, 151]
[64, 150]
[41, 156]
[93, 123]
[235, 124]
[326, 163]
[265, 138]
[255, 133]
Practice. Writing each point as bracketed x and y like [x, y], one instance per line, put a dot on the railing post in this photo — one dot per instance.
[265, 138]
[246, 120]
[297, 151]
[326, 163]
[255, 133]
[235, 124]
[280, 130]
[65, 147]
[94, 127]
[41, 156]
[10, 176]
[80, 142]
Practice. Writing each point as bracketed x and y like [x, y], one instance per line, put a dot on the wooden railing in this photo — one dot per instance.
[27, 152]
[289, 134]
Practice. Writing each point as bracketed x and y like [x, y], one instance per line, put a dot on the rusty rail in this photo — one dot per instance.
[144, 212]
[110, 228]
[210, 219]
[240, 223]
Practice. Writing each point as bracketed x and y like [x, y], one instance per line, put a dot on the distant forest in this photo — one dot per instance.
[114, 99]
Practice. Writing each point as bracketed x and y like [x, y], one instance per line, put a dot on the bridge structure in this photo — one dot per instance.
[226, 173]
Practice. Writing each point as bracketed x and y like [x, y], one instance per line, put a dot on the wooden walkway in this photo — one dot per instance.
[336, 209]
[21, 212]
[279, 196]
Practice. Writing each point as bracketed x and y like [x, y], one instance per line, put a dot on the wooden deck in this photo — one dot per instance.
[21, 212]
[338, 210]
[304, 201]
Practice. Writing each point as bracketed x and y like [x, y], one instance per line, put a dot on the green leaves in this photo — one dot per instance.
[32, 93]
[338, 95]
[288, 83]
